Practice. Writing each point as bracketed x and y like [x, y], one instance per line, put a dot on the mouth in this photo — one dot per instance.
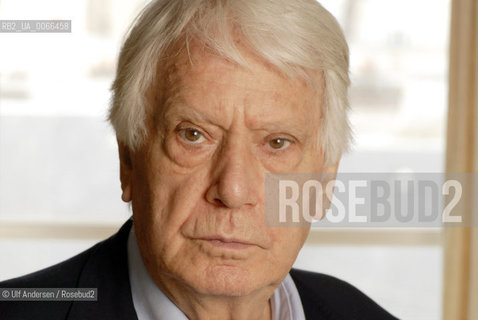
[227, 243]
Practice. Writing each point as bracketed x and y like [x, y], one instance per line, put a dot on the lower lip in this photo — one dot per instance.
[229, 245]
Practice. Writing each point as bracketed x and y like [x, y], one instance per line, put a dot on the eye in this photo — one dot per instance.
[279, 143]
[191, 135]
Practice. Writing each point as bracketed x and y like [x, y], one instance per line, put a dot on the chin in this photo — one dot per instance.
[229, 281]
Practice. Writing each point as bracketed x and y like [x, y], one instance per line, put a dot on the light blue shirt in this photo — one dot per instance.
[151, 303]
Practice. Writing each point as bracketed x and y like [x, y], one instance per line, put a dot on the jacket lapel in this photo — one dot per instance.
[107, 270]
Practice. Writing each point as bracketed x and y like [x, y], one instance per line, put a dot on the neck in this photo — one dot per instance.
[252, 306]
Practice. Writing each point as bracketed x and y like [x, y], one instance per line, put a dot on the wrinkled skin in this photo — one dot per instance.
[197, 183]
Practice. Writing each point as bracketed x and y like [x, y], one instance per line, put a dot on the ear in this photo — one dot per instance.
[126, 171]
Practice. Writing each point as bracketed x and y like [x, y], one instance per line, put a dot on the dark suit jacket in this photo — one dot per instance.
[105, 266]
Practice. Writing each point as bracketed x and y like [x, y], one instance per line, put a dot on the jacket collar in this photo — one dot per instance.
[107, 270]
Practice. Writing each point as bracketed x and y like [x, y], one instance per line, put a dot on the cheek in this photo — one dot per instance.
[282, 162]
[163, 199]
[287, 243]
[171, 202]
[163, 246]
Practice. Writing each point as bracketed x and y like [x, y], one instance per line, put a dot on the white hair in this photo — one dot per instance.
[299, 37]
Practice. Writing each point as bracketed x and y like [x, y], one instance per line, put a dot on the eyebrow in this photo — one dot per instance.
[177, 107]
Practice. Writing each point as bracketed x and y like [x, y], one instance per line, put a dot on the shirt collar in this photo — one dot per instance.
[151, 303]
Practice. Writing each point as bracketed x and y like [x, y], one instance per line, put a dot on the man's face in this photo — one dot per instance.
[197, 184]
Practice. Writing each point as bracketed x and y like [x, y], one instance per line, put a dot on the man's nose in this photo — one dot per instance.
[237, 177]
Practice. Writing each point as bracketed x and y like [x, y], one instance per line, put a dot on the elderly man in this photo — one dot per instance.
[209, 96]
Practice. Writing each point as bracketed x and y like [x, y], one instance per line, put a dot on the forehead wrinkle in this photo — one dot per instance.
[268, 119]
[277, 112]
[181, 109]
[297, 111]
[288, 122]
[176, 88]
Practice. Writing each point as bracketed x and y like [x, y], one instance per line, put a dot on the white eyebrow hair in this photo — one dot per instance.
[177, 107]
